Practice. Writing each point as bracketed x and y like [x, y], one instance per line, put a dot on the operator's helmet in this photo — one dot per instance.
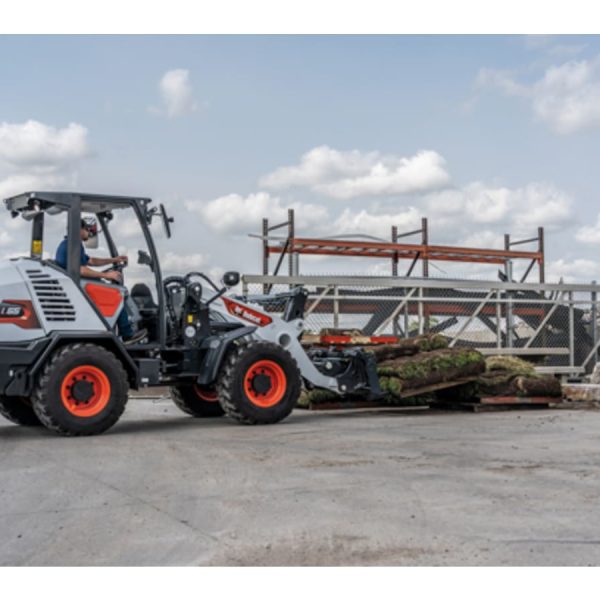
[91, 225]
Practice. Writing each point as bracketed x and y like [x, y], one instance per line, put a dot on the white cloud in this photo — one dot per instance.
[125, 227]
[553, 45]
[38, 156]
[379, 225]
[177, 94]
[320, 165]
[38, 146]
[520, 209]
[484, 238]
[5, 239]
[238, 214]
[541, 204]
[503, 80]
[18, 183]
[351, 174]
[579, 269]
[566, 97]
[589, 234]
[182, 263]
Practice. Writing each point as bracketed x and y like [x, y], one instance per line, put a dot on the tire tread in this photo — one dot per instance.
[227, 382]
[40, 399]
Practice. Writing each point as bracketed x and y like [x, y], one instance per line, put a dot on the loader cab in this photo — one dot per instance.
[113, 215]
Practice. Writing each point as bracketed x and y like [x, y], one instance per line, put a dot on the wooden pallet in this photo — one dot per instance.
[499, 403]
[405, 394]
[442, 385]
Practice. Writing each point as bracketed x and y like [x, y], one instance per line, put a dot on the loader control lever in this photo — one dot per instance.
[119, 267]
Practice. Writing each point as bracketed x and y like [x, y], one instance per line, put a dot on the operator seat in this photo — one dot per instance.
[143, 303]
[142, 295]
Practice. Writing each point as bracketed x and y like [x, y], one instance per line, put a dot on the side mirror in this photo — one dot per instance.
[166, 220]
[145, 259]
[231, 278]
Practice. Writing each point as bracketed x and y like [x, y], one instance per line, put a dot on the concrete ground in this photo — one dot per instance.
[371, 488]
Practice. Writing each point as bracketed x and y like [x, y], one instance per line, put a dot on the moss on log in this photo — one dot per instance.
[511, 376]
[409, 347]
[429, 368]
[509, 364]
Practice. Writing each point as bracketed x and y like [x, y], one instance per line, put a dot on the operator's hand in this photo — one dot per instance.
[113, 276]
[122, 259]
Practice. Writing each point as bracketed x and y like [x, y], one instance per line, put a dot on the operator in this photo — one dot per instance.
[123, 322]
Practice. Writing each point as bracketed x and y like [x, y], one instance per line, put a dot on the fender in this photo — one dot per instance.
[21, 383]
[216, 349]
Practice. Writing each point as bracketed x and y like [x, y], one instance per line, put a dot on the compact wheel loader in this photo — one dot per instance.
[63, 366]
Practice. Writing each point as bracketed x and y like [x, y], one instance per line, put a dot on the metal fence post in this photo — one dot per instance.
[395, 256]
[542, 263]
[498, 320]
[571, 330]
[425, 243]
[594, 318]
[509, 307]
[336, 308]
[421, 324]
[265, 252]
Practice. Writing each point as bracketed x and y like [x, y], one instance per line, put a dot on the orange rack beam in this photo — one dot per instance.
[392, 250]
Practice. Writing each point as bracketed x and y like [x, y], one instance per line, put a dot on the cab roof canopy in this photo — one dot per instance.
[55, 202]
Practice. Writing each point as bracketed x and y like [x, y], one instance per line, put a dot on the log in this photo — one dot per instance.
[409, 347]
[509, 364]
[408, 374]
[429, 368]
[384, 346]
[544, 385]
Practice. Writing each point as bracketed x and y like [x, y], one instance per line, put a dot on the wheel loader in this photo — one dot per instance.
[64, 366]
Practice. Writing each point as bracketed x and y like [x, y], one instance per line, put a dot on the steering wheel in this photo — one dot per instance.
[120, 267]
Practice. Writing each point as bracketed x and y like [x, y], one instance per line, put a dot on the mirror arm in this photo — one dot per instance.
[216, 296]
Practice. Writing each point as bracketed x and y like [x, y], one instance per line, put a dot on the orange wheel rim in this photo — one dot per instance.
[85, 391]
[205, 393]
[265, 383]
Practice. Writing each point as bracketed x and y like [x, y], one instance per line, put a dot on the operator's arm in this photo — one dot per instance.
[91, 274]
[101, 262]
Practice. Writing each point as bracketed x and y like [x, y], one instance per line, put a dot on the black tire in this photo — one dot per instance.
[240, 373]
[19, 411]
[55, 400]
[197, 401]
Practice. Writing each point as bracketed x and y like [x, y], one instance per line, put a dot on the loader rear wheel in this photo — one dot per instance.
[197, 400]
[19, 411]
[259, 384]
[82, 390]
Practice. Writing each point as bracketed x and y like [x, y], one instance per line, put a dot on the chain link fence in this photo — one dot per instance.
[555, 324]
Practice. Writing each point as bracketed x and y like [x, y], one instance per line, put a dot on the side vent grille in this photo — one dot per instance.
[55, 304]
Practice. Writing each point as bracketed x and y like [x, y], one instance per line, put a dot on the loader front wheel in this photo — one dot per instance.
[18, 411]
[259, 384]
[82, 390]
[196, 400]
